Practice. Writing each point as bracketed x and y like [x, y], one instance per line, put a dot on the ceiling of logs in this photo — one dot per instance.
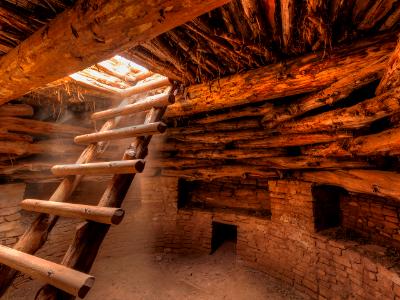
[241, 35]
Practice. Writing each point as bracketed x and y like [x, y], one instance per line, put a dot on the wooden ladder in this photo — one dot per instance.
[70, 279]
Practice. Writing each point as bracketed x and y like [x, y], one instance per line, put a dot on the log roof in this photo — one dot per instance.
[238, 36]
[292, 48]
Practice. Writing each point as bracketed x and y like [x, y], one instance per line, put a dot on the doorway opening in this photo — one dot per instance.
[222, 233]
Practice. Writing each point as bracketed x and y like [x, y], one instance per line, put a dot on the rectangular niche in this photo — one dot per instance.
[327, 212]
[222, 233]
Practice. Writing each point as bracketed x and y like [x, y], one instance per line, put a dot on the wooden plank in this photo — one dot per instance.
[101, 168]
[87, 33]
[105, 215]
[73, 282]
[122, 133]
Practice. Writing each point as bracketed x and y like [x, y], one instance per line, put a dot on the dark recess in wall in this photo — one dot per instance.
[221, 233]
[327, 211]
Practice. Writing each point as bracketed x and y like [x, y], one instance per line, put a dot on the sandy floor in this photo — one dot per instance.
[160, 277]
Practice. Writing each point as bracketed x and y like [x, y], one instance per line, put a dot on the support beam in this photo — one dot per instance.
[16, 110]
[379, 183]
[73, 282]
[332, 94]
[354, 117]
[90, 32]
[383, 143]
[391, 78]
[104, 215]
[305, 74]
[101, 168]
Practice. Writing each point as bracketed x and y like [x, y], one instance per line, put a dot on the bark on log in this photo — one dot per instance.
[337, 91]
[376, 13]
[291, 140]
[40, 127]
[261, 138]
[379, 183]
[52, 147]
[383, 143]
[354, 117]
[288, 15]
[16, 110]
[211, 173]
[88, 33]
[186, 151]
[220, 126]
[306, 162]
[309, 73]
[248, 111]
[391, 78]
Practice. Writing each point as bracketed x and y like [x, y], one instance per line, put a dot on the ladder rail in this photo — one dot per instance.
[90, 235]
[36, 234]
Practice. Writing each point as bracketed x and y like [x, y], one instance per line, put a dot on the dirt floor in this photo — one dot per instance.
[165, 276]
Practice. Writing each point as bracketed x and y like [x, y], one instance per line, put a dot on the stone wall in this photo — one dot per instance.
[319, 265]
[227, 194]
[374, 218]
[11, 226]
[323, 265]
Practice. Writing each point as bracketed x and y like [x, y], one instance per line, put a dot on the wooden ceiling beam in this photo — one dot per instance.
[391, 78]
[90, 32]
[309, 73]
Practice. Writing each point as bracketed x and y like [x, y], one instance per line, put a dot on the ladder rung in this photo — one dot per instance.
[121, 133]
[71, 281]
[150, 102]
[145, 87]
[105, 215]
[100, 168]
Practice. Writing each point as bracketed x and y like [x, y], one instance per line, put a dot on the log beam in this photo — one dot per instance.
[391, 78]
[353, 117]
[89, 32]
[309, 73]
[379, 183]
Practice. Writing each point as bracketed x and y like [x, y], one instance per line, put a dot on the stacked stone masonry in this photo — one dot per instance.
[318, 265]
[374, 218]
[11, 226]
